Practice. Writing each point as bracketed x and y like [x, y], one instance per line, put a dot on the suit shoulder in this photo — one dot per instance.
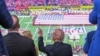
[49, 45]
[17, 37]
[27, 39]
[67, 44]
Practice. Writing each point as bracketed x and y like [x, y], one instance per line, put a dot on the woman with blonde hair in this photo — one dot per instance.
[28, 34]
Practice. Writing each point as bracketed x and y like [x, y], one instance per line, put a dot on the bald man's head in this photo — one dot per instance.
[58, 34]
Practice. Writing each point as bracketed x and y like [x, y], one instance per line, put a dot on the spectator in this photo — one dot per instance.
[94, 18]
[6, 22]
[58, 48]
[88, 41]
[28, 34]
[26, 3]
[18, 45]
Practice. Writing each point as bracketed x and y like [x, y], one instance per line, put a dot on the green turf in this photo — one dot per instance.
[25, 25]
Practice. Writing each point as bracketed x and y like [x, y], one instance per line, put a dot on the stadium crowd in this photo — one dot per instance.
[47, 2]
[21, 7]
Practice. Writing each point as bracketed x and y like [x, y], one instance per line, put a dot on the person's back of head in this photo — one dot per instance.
[16, 25]
[61, 49]
[58, 48]
[17, 44]
[58, 35]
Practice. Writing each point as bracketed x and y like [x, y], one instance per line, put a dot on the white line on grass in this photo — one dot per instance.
[35, 34]
[47, 34]
[21, 19]
[28, 24]
[84, 29]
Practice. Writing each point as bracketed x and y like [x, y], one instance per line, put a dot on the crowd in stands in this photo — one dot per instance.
[9, 2]
[63, 12]
[70, 2]
[21, 7]
[87, 2]
[47, 2]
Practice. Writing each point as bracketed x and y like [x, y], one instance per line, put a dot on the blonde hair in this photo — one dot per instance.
[27, 34]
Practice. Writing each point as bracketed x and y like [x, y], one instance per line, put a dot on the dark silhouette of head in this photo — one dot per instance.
[16, 25]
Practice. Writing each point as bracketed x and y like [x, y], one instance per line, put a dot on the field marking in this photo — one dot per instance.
[28, 24]
[47, 34]
[35, 34]
[21, 19]
[84, 29]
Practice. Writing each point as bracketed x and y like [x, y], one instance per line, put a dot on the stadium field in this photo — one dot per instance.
[26, 23]
[69, 15]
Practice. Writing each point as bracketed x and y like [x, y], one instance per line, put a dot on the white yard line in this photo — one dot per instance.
[28, 24]
[84, 29]
[21, 19]
[35, 34]
[47, 34]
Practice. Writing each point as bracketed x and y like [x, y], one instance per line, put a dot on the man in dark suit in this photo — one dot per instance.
[6, 22]
[17, 44]
[58, 48]
[88, 41]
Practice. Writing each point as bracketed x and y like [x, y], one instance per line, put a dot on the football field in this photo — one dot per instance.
[26, 23]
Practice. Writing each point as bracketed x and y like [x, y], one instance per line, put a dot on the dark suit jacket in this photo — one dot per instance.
[6, 22]
[18, 45]
[57, 49]
[88, 41]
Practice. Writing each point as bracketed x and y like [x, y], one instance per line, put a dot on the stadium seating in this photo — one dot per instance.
[9, 2]
[50, 2]
[70, 2]
[53, 2]
[40, 2]
[88, 2]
